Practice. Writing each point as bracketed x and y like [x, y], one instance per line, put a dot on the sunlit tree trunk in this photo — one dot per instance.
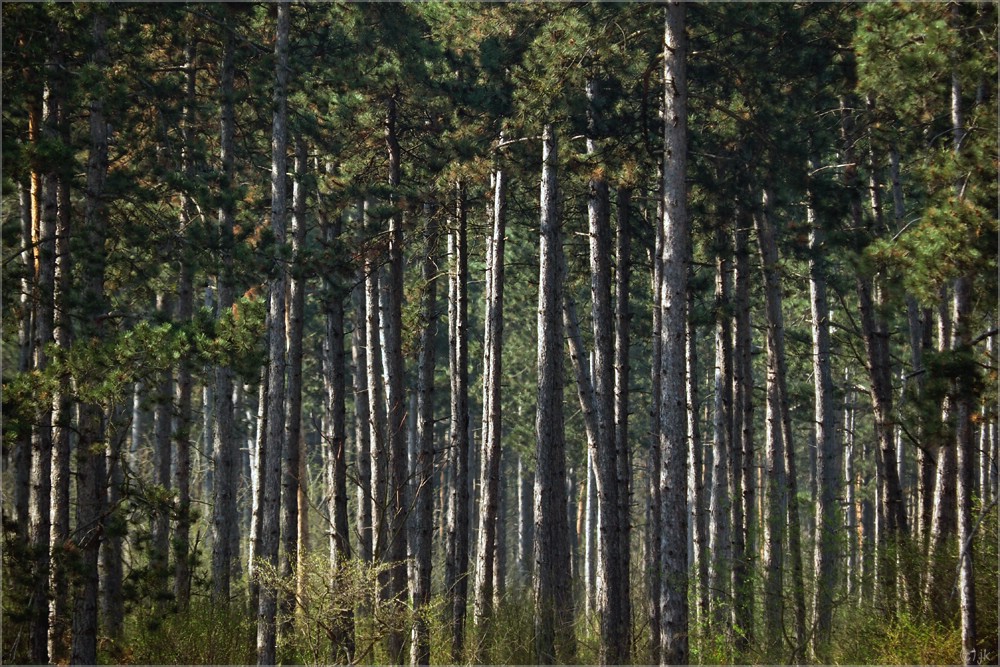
[270, 470]
[552, 592]
[673, 429]
[362, 417]
[489, 515]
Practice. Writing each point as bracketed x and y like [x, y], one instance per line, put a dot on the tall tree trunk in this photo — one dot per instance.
[335, 385]
[777, 487]
[295, 314]
[271, 465]
[257, 458]
[26, 353]
[673, 429]
[744, 526]
[654, 561]
[963, 399]
[376, 404]
[525, 522]
[90, 456]
[185, 383]
[827, 468]
[492, 413]
[457, 548]
[423, 501]
[38, 526]
[62, 421]
[395, 396]
[552, 591]
[720, 535]
[623, 455]
[224, 510]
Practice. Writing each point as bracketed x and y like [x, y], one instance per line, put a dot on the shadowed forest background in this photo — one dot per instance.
[451, 333]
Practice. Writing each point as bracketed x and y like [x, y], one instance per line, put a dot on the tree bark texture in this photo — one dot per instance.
[673, 429]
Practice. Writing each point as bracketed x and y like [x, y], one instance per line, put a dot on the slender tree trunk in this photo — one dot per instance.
[457, 548]
[26, 353]
[720, 535]
[673, 431]
[654, 560]
[777, 486]
[423, 502]
[698, 472]
[159, 557]
[257, 459]
[489, 515]
[376, 402]
[62, 422]
[38, 526]
[224, 510]
[271, 465]
[744, 536]
[623, 455]
[850, 496]
[395, 395]
[362, 418]
[90, 456]
[525, 522]
[295, 314]
[552, 590]
[185, 383]
[335, 385]
[827, 468]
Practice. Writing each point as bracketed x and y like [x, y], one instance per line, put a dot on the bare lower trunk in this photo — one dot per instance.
[271, 466]
[492, 413]
[552, 592]
[423, 501]
[362, 419]
[673, 429]
[457, 556]
[90, 455]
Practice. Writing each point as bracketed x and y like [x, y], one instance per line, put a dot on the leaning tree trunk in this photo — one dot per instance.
[457, 547]
[90, 455]
[673, 429]
[552, 591]
[492, 415]
[271, 465]
[423, 501]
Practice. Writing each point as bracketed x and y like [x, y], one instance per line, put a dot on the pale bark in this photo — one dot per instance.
[271, 465]
[457, 547]
[26, 351]
[159, 555]
[489, 515]
[673, 429]
[362, 418]
[850, 484]
[552, 592]
[653, 516]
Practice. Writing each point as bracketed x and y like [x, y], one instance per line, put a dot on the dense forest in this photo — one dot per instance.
[460, 333]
